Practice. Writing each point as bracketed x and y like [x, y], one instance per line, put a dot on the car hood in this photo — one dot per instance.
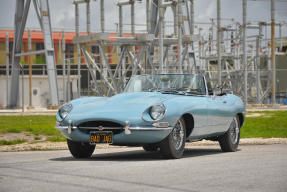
[120, 108]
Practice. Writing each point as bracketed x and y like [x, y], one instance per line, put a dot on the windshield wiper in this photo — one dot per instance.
[189, 91]
[193, 93]
[179, 91]
[172, 91]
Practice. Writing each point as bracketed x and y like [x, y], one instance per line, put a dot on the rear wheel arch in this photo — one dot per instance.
[189, 123]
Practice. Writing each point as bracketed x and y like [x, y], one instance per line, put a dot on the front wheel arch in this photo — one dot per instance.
[189, 123]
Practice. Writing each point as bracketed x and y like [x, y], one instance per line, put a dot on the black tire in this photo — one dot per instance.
[172, 147]
[151, 147]
[80, 149]
[230, 140]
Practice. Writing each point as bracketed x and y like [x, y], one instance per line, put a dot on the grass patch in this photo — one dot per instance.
[14, 130]
[35, 141]
[12, 142]
[269, 124]
[37, 137]
[35, 124]
[56, 138]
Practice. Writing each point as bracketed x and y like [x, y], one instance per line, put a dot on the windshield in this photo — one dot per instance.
[170, 83]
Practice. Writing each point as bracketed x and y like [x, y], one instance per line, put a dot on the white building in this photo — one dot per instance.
[40, 90]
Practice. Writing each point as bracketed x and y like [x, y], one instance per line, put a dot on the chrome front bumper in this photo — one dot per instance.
[163, 126]
[128, 134]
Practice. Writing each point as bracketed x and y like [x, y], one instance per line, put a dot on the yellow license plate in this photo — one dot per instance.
[101, 137]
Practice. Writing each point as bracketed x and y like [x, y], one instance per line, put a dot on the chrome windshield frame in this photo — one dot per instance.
[203, 76]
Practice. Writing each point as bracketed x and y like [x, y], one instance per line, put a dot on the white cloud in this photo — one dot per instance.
[205, 13]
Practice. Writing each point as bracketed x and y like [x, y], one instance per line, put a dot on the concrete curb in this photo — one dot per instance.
[43, 146]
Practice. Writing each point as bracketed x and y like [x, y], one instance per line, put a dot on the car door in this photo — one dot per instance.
[219, 115]
[199, 112]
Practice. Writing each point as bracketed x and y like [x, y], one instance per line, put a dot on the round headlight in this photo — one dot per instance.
[65, 110]
[157, 112]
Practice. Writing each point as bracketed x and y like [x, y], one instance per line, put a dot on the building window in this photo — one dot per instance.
[10, 52]
[70, 52]
[40, 58]
[96, 53]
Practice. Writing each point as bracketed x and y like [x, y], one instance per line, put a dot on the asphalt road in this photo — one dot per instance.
[203, 168]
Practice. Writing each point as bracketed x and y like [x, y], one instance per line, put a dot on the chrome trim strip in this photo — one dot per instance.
[160, 124]
[70, 126]
[96, 128]
[150, 128]
[206, 88]
[65, 127]
[130, 128]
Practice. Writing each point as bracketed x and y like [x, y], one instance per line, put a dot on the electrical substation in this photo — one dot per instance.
[47, 67]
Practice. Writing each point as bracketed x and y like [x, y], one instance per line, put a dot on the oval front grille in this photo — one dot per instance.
[88, 126]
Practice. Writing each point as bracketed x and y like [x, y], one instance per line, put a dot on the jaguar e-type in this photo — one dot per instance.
[159, 112]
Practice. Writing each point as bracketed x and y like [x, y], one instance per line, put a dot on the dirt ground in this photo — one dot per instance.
[23, 135]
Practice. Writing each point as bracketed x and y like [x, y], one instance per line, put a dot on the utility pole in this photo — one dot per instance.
[69, 79]
[161, 23]
[273, 64]
[192, 16]
[64, 67]
[244, 57]
[132, 17]
[30, 68]
[148, 13]
[7, 69]
[257, 67]
[219, 40]
[180, 23]
[103, 16]
[258, 46]
[77, 23]
[120, 20]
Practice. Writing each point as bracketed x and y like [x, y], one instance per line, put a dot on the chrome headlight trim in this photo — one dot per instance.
[65, 110]
[154, 113]
[157, 112]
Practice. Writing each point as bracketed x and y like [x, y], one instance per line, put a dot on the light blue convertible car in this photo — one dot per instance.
[159, 112]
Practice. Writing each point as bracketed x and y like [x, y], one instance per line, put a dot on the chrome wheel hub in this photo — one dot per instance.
[178, 135]
[234, 131]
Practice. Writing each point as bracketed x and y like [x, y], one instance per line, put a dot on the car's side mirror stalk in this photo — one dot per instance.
[210, 91]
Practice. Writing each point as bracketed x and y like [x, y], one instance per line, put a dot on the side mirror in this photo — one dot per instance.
[217, 90]
[210, 91]
[220, 91]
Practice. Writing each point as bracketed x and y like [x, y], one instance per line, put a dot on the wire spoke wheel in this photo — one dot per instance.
[234, 131]
[178, 135]
[172, 147]
[230, 140]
